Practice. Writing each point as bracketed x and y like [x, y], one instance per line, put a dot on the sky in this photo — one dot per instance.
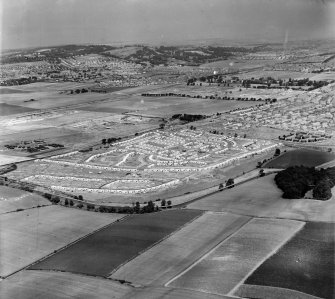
[29, 23]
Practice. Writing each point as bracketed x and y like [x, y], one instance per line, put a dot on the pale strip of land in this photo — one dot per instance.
[30, 284]
[30, 235]
[262, 198]
[238, 256]
[267, 292]
[13, 199]
[6, 159]
[165, 260]
[170, 293]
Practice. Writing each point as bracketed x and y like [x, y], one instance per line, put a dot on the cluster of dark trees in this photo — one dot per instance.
[110, 140]
[32, 148]
[8, 168]
[188, 117]
[78, 91]
[295, 181]
[150, 207]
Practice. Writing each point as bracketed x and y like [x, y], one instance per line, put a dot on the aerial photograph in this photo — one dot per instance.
[167, 149]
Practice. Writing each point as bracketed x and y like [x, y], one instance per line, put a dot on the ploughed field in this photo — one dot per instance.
[229, 263]
[167, 259]
[30, 235]
[304, 264]
[13, 199]
[101, 253]
[305, 157]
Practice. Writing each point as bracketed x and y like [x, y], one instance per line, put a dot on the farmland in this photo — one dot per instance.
[230, 262]
[14, 199]
[32, 234]
[162, 262]
[102, 252]
[304, 264]
[59, 285]
[262, 198]
[305, 157]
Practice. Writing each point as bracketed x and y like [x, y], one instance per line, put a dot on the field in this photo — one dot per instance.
[304, 264]
[59, 285]
[8, 159]
[6, 109]
[171, 293]
[13, 199]
[32, 234]
[102, 252]
[262, 198]
[229, 263]
[162, 262]
[305, 157]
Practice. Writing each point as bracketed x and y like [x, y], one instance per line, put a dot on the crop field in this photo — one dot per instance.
[7, 159]
[229, 263]
[262, 198]
[160, 159]
[304, 264]
[59, 285]
[170, 293]
[305, 157]
[6, 109]
[29, 235]
[13, 199]
[204, 107]
[162, 262]
[100, 253]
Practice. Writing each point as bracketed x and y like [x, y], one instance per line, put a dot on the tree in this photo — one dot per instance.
[261, 172]
[80, 206]
[66, 202]
[163, 203]
[80, 197]
[277, 152]
[71, 203]
[169, 203]
[230, 183]
[322, 190]
[103, 141]
[259, 164]
[162, 126]
[221, 186]
[137, 207]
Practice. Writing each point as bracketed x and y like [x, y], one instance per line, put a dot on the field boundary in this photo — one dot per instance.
[154, 244]
[208, 253]
[270, 254]
[62, 248]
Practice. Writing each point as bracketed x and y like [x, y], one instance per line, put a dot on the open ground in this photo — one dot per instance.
[29, 235]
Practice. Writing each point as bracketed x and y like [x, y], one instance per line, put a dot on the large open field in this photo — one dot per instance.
[229, 263]
[59, 285]
[162, 262]
[13, 199]
[262, 198]
[304, 264]
[29, 235]
[305, 157]
[6, 109]
[104, 251]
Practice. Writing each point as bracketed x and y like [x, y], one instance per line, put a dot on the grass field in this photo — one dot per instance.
[6, 109]
[104, 251]
[59, 285]
[32, 234]
[305, 263]
[7, 159]
[162, 262]
[266, 292]
[13, 199]
[223, 268]
[262, 198]
[170, 293]
[299, 157]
